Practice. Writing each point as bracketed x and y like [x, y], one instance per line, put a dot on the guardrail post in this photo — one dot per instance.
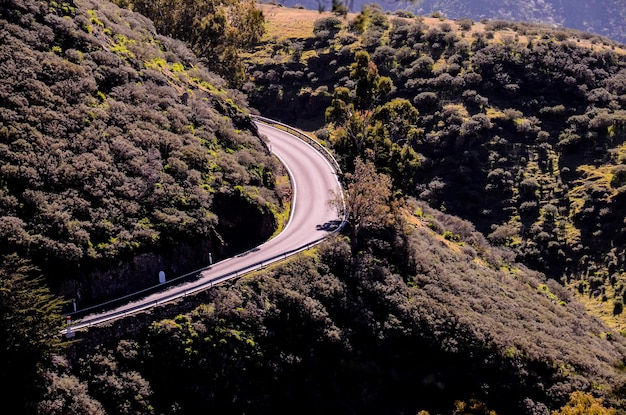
[69, 333]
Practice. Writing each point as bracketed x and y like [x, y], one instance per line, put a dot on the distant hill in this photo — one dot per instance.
[601, 17]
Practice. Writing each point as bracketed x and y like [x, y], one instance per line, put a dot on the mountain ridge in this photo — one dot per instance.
[600, 17]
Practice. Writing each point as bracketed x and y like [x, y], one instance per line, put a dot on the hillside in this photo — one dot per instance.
[117, 145]
[123, 154]
[515, 127]
[597, 17]
[415, 312]
[418, 321]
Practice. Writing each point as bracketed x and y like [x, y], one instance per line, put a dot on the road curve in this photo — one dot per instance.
[313, 178]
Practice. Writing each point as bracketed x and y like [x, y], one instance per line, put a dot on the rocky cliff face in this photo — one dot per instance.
[136, 274]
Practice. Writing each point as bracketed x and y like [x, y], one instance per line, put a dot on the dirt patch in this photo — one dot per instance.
[292, 23]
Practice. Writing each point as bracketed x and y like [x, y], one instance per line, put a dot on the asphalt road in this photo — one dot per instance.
[311, 220]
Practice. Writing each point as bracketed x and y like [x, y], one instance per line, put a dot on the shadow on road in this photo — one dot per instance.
[329, 226]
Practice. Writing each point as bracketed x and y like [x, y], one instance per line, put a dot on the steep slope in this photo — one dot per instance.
[419, 313]
[120, 155]
[517, 127]
[427, 314]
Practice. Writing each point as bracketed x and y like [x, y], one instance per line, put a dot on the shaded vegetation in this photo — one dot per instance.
[29, 327]
[418, 321]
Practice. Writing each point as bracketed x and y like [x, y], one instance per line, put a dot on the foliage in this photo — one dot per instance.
[333, 331]
[531, 156]
[581, 403]
[121, 393]
[29, 331]
[597, 18]
[366, 200]
[216, 30]
[65, 393]
[515, 126]
[120, 145]
[471, 408]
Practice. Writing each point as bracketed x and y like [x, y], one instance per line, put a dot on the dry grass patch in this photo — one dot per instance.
[289, 23]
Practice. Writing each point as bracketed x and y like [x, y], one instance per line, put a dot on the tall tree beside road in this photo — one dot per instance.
[367, 197]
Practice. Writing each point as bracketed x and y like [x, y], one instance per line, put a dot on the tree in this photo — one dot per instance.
[247, 23]
[474, 407]
[66, 394]
[399, 116]
[581, 403]
[340, 109]
[30, 323]
[350, 137]
[387, 133]
[366, 200]
[339, 8]
[332, 25]
[364, 72]
[349, 5]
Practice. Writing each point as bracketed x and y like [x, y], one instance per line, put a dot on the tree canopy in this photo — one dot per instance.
[216, 30]
[366, 199]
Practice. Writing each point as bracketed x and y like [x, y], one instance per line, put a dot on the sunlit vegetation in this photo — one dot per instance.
[515, 126]
[216, 30]
[580, 14]
[121, 154]
[483, 172]
[590, 18]
[117, 144]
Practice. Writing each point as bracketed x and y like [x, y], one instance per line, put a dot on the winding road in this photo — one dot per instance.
[313, 178]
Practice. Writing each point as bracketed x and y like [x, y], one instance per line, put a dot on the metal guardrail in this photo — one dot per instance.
[205, 285]
[316, 144]
[213, 281]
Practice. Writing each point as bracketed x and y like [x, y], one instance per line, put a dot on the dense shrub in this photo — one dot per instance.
[107, 158]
